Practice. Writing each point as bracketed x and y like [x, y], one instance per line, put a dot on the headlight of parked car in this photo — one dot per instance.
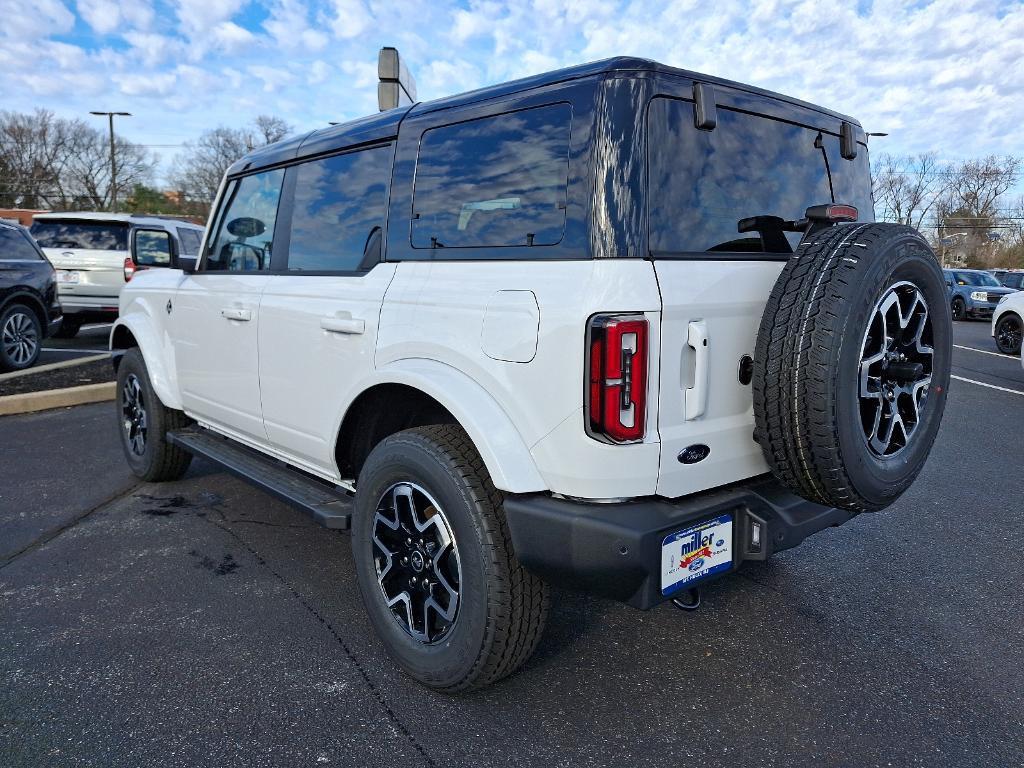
[1004, 298]
[979, 295]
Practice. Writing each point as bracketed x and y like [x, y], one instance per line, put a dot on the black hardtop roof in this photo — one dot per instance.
[384, 125]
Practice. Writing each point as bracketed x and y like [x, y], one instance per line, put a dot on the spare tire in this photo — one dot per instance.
[852, 364]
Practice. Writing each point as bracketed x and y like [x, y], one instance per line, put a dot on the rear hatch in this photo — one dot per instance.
[714, 280]
[88, 255]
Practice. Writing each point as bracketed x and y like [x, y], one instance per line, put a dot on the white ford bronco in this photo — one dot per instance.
[619, 327]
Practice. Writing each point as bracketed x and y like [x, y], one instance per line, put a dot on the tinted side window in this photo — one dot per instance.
[703, 182]
[14, 246]
[189, 239]
[247, 226]
[494, 181]
[1013, 281]
[338, 211]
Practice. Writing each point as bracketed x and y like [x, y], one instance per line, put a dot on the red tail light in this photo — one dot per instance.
[129, 269]
[617, 381]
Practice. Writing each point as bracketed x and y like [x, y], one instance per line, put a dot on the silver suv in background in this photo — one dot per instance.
[90, 252]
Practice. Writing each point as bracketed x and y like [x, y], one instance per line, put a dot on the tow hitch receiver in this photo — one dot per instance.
[689, 601]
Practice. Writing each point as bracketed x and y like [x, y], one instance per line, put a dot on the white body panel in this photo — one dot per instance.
[214, 324]
[702, 400]
[316, 341]
[282, 382]
[439, 311]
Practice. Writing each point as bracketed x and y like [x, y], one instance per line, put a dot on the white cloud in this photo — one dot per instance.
[289, 26]
[42, 18]
[231, 38]
[107, 16]
[198, 16]
[351, 18]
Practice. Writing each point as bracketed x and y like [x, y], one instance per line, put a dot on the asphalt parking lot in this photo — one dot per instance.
[203, 623]
[90, 340]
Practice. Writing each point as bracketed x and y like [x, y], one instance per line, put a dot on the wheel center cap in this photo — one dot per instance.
[416, 561]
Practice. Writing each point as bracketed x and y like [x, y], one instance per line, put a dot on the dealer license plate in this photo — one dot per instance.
[695, 553]
[67, 276]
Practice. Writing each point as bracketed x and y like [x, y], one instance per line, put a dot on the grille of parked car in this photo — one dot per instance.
[995, 297]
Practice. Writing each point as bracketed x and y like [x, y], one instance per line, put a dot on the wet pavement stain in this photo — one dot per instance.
[223, 568]
[164, 506]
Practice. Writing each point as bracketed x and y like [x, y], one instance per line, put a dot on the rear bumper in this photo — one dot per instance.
[614, 550]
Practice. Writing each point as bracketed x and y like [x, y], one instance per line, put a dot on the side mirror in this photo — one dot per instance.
[949, 283]
[153, 248]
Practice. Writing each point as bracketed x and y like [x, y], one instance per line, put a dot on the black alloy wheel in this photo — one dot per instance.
[1009, 332]
[895, 368]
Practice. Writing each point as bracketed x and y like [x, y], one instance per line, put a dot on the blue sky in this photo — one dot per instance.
[943, 76]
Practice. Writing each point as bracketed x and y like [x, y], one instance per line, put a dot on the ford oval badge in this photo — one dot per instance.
[691, 454]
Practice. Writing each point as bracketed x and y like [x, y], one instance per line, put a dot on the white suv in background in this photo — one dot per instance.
[90, 252]
[1008, 323]
[616, 327]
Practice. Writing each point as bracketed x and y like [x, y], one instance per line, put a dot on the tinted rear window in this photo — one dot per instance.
[87, 235]
[14, 246]
[495, 181]
[703, 182]
[339, 205]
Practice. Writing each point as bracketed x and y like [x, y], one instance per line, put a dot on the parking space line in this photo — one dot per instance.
[77, 351]
[983, 384]
[984, 351]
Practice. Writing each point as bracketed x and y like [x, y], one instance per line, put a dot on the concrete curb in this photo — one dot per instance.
[56, 398]
[53, 366]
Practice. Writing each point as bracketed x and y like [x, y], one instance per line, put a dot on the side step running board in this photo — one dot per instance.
[329, 507]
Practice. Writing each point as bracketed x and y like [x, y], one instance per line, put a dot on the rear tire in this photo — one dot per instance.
[21, 338]
[1008, 334]
[144, 421]
[852, 365]
[495, 620]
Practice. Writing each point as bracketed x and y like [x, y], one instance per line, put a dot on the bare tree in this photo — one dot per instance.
[52, 162]
[970, 208]
[907, 189]
[198, 170]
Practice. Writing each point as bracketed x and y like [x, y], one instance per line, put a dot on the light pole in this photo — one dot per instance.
[113, 162]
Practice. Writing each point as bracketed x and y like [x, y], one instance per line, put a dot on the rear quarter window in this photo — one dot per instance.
[84, 235]
[494, 181]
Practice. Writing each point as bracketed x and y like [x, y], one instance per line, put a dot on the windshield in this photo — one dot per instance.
[86, 235]
[977, 278]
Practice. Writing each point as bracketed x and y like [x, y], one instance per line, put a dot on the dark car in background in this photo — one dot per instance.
[29, 310]
[973, 293]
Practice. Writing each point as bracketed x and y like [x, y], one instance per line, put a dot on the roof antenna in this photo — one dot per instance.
[396, 87]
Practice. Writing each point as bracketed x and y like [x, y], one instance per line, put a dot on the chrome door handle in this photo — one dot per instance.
[695, 398]
[234, 313]
[343, 324]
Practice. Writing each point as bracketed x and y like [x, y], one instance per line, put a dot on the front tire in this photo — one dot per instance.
[143, 422]
[959, 309]
[1008, 334]
[427, 513]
